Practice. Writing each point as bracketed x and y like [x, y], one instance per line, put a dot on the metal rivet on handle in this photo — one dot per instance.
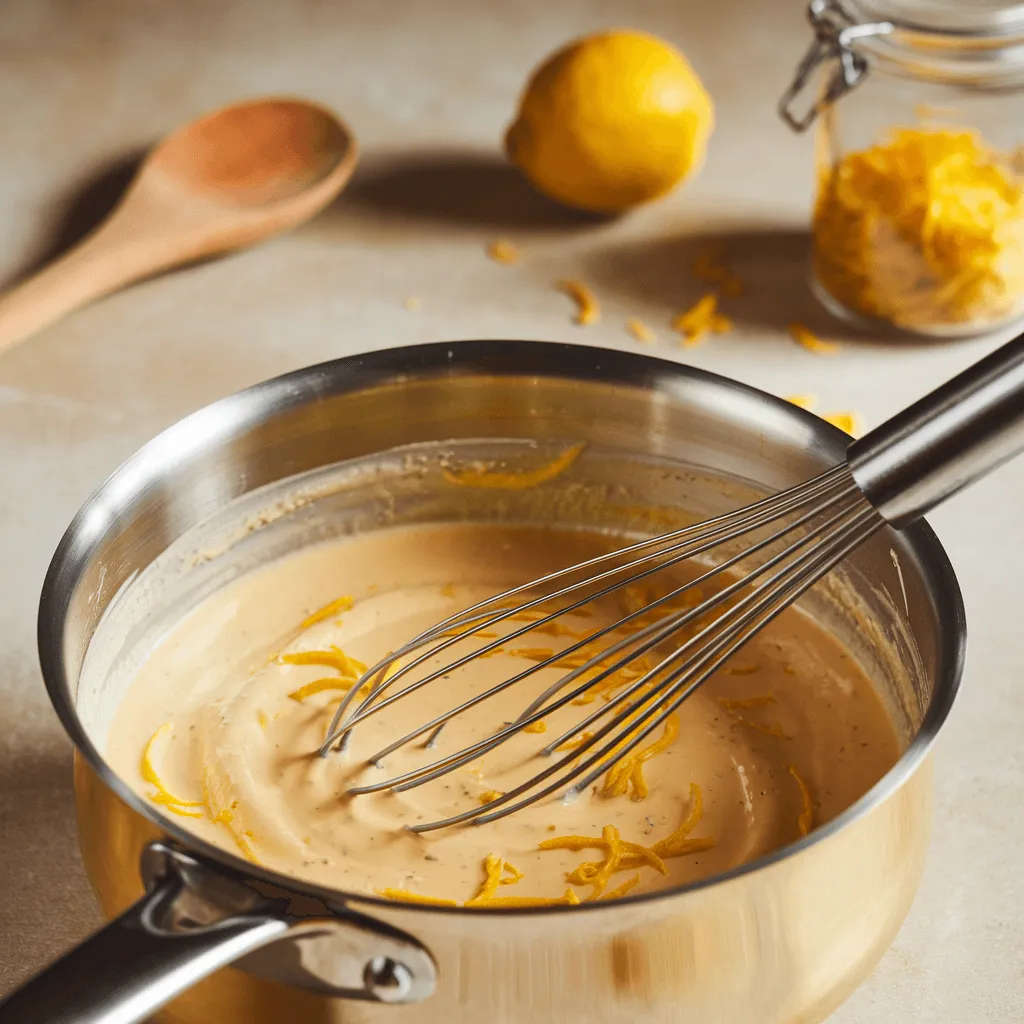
[387, 979]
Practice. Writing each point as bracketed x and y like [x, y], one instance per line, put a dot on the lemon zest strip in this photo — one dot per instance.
[335, 607]
[163, 796]
[588, 310]
[807, 401]
[222, 815]
[806, 820]
[768, 730]
[503, 251]
[405, 896]
[630, 768]
[516, 481]
[674, 845]
[495, 869]
[334, 657]
[569, 899]
[639, 331]
[845, 421]
[629, 883]
[343, 683]
[809, 340]
[701, 317]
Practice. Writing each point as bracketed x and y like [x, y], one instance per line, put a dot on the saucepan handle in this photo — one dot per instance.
[193, 921]
[126, 972]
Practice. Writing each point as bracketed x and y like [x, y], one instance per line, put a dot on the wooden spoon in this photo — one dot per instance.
[231, 179]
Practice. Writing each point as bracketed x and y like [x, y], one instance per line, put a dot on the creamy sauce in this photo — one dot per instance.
[781, 739]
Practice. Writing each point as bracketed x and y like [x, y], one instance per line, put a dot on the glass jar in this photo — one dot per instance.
[919, 213]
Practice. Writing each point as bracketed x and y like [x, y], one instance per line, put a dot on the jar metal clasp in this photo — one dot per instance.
[835, 32]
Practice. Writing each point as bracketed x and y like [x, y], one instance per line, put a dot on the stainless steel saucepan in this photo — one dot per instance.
[353, 445]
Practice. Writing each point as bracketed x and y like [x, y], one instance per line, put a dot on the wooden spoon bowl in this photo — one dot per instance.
[230, 179]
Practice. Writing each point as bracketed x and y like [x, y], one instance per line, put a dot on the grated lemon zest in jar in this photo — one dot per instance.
[925, 228]
[639, 331]
[588, 310]
[805, 822]
[809, 340]
[162, 795]
[341, 604]
[515, 481]
[701, 317]
[709, 267]
[503, 251]
[405, 896]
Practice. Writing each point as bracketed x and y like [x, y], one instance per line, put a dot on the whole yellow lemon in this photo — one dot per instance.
[611, 121]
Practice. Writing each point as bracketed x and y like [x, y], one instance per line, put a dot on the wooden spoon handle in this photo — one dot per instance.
[97, 266]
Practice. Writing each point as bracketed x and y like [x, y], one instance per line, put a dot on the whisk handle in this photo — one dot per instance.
[947, 440]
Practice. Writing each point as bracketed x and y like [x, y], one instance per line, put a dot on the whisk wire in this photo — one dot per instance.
[684, 681]
[828, 515]
[755, 620]
[641, 642]
[756, 516]
[741, 521]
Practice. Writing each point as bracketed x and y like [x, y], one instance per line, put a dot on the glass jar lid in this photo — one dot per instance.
[978, 18]
[976, 45]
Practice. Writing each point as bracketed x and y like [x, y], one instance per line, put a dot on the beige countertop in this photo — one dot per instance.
[429, 86]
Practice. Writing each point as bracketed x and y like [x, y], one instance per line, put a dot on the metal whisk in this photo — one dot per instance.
[891, 476]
